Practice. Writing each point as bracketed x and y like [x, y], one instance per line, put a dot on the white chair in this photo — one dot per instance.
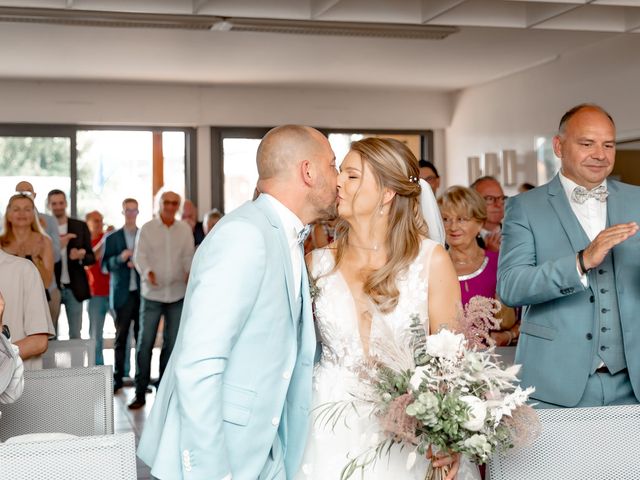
[104, 457]
[78, 401]
[576, 444]
[70, 354]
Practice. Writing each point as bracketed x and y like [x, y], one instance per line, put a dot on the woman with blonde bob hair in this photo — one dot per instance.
[463, 213]
[381, 270]
[23, 236]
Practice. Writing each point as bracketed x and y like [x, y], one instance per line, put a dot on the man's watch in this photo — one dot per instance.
[5, 331]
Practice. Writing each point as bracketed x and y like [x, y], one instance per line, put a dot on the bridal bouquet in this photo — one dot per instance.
[434, 391]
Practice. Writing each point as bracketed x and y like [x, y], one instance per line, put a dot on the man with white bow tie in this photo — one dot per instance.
[571, 256]
[234, 401]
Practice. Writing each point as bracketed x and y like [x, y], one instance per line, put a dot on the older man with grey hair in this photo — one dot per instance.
[162, 255]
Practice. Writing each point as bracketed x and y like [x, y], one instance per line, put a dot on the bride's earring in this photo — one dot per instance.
[381, 211]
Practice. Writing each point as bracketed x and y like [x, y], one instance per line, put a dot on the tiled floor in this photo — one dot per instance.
[126, 420]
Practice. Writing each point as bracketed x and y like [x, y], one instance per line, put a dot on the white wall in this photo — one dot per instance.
[100, 103]
[511, 112]
[183, 105]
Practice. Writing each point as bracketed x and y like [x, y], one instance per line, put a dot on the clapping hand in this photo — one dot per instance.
[64, 239]
[77, 254]
[493, 241]
[126, 255]
[607, 239]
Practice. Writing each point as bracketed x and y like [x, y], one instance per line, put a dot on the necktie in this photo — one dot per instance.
[304, 233]
[581, 194]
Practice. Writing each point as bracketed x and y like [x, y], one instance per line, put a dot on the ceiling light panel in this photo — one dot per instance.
[391, 11]
[589, 17]
[484, 13]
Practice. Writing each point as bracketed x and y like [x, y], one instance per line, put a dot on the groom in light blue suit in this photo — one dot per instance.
[571, 256]
[234, 400]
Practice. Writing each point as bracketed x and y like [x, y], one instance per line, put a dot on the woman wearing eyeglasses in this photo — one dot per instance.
[23, 236]
[464, 212]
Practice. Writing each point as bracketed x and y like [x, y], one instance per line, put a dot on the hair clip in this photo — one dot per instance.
[413, 179]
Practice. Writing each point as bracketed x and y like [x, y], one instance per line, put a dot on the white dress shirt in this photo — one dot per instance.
[167, 252]
[64, 275]
[292, 226]
[592, 214]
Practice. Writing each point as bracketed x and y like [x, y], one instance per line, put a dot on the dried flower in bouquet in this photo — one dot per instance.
[477, 319]
[435, 392]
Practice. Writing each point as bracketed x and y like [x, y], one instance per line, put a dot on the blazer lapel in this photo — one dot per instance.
[308, 328]
[615, 215]
[262, 203]
[560, 204]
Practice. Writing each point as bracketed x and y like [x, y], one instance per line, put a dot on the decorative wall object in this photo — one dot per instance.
[474, 170]
[509, 167]
[491, 165]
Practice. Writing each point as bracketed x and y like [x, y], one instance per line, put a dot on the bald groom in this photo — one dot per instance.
[234, 400]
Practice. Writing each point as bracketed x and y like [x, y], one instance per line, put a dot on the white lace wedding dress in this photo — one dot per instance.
[329, 449]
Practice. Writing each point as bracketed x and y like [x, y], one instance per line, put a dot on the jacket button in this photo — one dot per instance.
[601, 271]
[592, 299]
[604, 329]
[603, 290]
[603, 348]
[589, 336]
[604, 310]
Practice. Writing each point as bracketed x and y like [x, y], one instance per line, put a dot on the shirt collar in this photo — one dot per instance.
[290, 222]
[569, 185]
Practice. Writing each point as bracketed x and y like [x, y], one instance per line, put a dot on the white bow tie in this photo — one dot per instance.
[581, 194]
[304, 233]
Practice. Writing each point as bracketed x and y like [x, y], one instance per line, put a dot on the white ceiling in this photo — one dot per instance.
[496, 38]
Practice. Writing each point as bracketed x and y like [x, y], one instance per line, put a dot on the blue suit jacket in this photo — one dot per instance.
[238, 379]
[537, 269]
[120, 273]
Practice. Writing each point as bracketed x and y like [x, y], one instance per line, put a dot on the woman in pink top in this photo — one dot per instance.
[463, 214]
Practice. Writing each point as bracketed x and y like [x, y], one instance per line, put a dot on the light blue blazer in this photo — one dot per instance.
[537, 269]
[239, 379]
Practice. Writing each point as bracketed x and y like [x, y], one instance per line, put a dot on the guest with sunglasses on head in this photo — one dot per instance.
[22, 235]
[50, 227]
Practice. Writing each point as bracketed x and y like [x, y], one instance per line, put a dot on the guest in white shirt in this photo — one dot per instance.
[26, 313]
[163, 253]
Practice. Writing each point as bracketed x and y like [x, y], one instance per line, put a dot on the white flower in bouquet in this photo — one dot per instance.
[418, 376]
[477, 412]
[510, 402]
[445, 344]
[434, 392]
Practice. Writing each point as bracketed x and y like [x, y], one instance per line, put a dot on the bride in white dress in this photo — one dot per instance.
[380, 271]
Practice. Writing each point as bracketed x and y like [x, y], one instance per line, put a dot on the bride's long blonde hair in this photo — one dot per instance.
[396, 168]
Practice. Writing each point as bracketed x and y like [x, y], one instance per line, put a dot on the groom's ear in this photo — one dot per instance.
[307, 173]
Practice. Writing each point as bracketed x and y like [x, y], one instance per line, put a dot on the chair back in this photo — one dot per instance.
[104, 457]
[576, 444]
[70, 354]
[78, 401]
